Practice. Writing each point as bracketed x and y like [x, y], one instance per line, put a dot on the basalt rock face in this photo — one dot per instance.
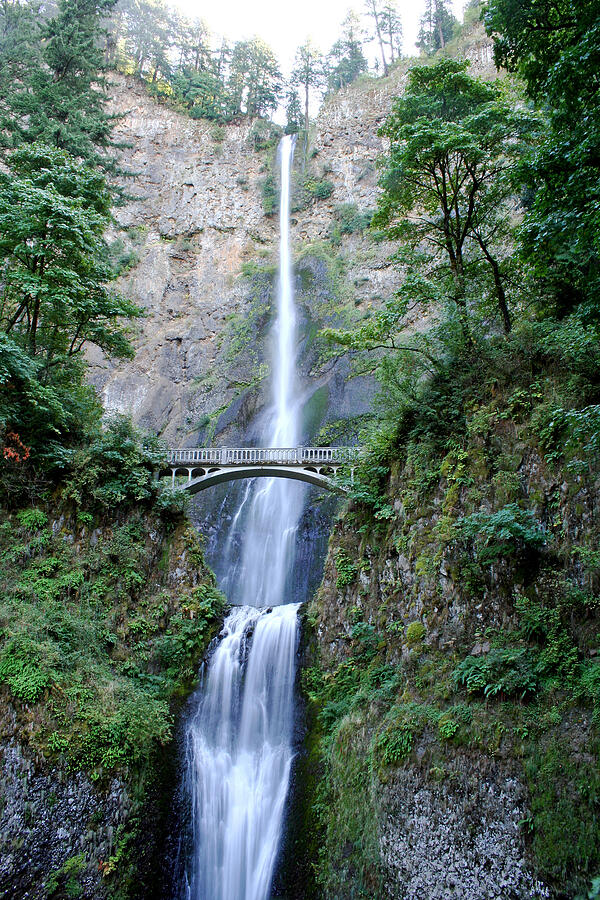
[192, 231]
[53, 823]
[425, 788]
[188, 227]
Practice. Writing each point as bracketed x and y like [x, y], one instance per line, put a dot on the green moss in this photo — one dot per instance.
[415, 634]
[565, 793]
[315, 410]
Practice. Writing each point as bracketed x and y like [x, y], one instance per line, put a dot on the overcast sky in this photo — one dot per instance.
[285, 24]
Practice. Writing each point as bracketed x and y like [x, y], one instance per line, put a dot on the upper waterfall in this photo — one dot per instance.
[285, 425]
[272, 509]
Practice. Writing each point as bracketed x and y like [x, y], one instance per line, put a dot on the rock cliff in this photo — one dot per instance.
[88, 757]
[194, 233]
[453, 751]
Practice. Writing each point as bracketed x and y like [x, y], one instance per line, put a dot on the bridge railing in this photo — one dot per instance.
[240, 456]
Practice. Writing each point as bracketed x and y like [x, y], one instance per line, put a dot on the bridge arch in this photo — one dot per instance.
[203, 467]
[220, 476]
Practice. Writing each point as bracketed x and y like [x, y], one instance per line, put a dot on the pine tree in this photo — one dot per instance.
[437, 26]
[254, 81]
[307, 74]
[293, 111]
[346, 60]
[387, 29]
[59, 98]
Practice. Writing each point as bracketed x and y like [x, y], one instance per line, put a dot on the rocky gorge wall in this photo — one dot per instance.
[201, 253]
[452, 749]
[198, 252]
[87, 729]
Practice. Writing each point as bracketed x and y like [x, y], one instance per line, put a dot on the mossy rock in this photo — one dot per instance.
[415, 634]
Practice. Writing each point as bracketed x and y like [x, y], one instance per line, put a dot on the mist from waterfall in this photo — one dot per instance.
[239, 740]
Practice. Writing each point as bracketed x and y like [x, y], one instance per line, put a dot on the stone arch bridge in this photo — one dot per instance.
[203, 467]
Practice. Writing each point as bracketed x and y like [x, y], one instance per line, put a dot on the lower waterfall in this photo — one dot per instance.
[238, 742]
[239, 755]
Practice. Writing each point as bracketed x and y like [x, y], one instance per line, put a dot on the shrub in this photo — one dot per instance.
[511, 673]
[270, 195]
[263, 135]
[320, 190]
[509, 532]
[393, 745]
[350, 219]
[309, 190]
[32, 519]
[22, 669]
[570, 433]
[395, 742]
[447, 728]
[218, 133]
[346, 570]
[118, 468]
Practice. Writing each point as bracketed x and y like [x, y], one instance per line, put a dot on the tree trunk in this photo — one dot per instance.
[306, 120]
[380, 39]
[500, 292]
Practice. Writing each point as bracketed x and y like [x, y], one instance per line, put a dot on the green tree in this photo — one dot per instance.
[307, 75]
[54, 296]
[148, 30]
[192, 44]
[20, 55]
[446, 182]
[530, 36]
[437, 26]
[202, 93]
[60, 98]
[392, 29]
[387, 28]
[346, 60]
[293, 111]
[255, 81]
[555, 47]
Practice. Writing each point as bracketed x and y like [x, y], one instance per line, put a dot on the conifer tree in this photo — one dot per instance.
[59, 98]
[437, 26]
[308, 74]
[346, 60]
[387, 29]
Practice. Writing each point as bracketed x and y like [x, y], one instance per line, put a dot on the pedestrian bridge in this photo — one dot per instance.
[203, 467]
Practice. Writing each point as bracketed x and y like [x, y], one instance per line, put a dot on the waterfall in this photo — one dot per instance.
[239, 740]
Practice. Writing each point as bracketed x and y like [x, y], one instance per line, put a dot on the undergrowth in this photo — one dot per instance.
[94, 643]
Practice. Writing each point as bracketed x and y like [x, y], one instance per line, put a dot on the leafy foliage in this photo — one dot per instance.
[118, 468]
[53, 212]
[437, 26]
[510, 673]
[509, 532]
[346, 569]
[453, 144]
[346, 59]
[52, 69]
[91, 636]
[555, 49]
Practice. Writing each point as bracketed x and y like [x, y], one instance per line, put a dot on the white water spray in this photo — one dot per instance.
[239, 742]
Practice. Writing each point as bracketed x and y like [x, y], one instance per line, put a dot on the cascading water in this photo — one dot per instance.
[239, 741]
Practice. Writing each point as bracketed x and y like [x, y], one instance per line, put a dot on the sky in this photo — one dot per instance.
[285, 24]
